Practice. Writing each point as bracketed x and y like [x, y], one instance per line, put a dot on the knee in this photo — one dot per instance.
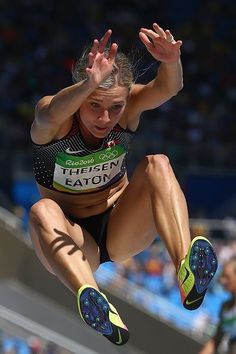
[157, 166]
[157, 172]
[44, 211]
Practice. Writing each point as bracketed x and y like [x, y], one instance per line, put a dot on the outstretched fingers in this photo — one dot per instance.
[159, 30]
[149, 33]
[99, 46]
[145, 39]
[157, 35]
[178, 43]
[104, 40]
[160, 43]
[95, 46]
[101, 58]
[112, 52]
[169, 36]
[90, 59]
[151, 38]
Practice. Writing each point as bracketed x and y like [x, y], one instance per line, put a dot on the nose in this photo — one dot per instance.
[104, 116]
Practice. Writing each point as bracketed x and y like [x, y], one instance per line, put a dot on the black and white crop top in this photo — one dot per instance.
[68, 165]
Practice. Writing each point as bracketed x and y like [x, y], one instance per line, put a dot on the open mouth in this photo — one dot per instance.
[101, 129]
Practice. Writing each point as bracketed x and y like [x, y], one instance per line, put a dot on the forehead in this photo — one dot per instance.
[117, 94]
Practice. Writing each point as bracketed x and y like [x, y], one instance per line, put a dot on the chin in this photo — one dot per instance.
[100, 133]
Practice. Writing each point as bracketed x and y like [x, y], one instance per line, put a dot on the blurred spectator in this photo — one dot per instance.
[14, 345]
[35, 345]
[10, 344]
[227, 323]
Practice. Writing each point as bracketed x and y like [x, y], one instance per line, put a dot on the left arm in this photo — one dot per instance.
[169, 79]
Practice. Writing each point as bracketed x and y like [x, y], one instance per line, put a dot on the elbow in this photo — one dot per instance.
[178, 89]
[45, 108]
[52, 119]
[52, 116]
[181, 86]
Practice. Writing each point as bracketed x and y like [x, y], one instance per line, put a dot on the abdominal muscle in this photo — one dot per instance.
[83, 205]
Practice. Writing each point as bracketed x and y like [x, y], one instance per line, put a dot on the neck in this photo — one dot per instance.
[89, 139]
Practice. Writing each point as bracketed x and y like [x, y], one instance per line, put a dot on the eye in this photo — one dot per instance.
[117, 107]
[94, 104]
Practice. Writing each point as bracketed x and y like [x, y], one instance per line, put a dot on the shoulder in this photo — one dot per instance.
[135, 90]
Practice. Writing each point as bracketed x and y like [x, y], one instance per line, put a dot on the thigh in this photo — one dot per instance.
[131, 226]
[64, 234]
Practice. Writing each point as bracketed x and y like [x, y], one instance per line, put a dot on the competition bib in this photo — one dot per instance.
[76, 174]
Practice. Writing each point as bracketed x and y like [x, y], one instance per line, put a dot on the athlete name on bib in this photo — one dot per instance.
[82, 173]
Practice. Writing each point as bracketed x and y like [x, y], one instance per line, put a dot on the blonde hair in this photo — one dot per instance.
[122, 73]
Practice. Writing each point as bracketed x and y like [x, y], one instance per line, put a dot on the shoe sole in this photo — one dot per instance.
[94, 310]
[203, 265]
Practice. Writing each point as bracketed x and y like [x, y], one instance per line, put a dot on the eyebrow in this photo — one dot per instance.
[95, 99]
[101, 101]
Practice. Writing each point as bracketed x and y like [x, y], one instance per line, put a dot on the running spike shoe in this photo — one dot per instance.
[196, 272]
[102, 316]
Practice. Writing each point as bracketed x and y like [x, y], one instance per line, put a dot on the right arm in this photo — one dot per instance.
[67, 101]
[52, 112]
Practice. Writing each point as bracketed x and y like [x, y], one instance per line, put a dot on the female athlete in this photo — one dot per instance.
[89, 212]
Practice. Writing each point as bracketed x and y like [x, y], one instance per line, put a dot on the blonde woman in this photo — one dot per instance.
[89, 212]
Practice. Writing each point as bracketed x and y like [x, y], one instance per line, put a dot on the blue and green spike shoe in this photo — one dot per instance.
[196, 272]
[102, 316]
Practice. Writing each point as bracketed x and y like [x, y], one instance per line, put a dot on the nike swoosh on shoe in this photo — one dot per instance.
[193, 301]
[120, 339]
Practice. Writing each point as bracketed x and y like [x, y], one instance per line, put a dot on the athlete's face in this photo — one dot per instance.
[102, 110]
[228, 277]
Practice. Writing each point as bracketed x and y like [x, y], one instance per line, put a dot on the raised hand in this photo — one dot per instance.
[100, 64]
[160, 44]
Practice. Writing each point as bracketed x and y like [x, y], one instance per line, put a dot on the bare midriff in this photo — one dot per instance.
[86, 204]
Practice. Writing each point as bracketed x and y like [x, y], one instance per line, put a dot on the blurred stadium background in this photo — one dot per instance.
[39, 40]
